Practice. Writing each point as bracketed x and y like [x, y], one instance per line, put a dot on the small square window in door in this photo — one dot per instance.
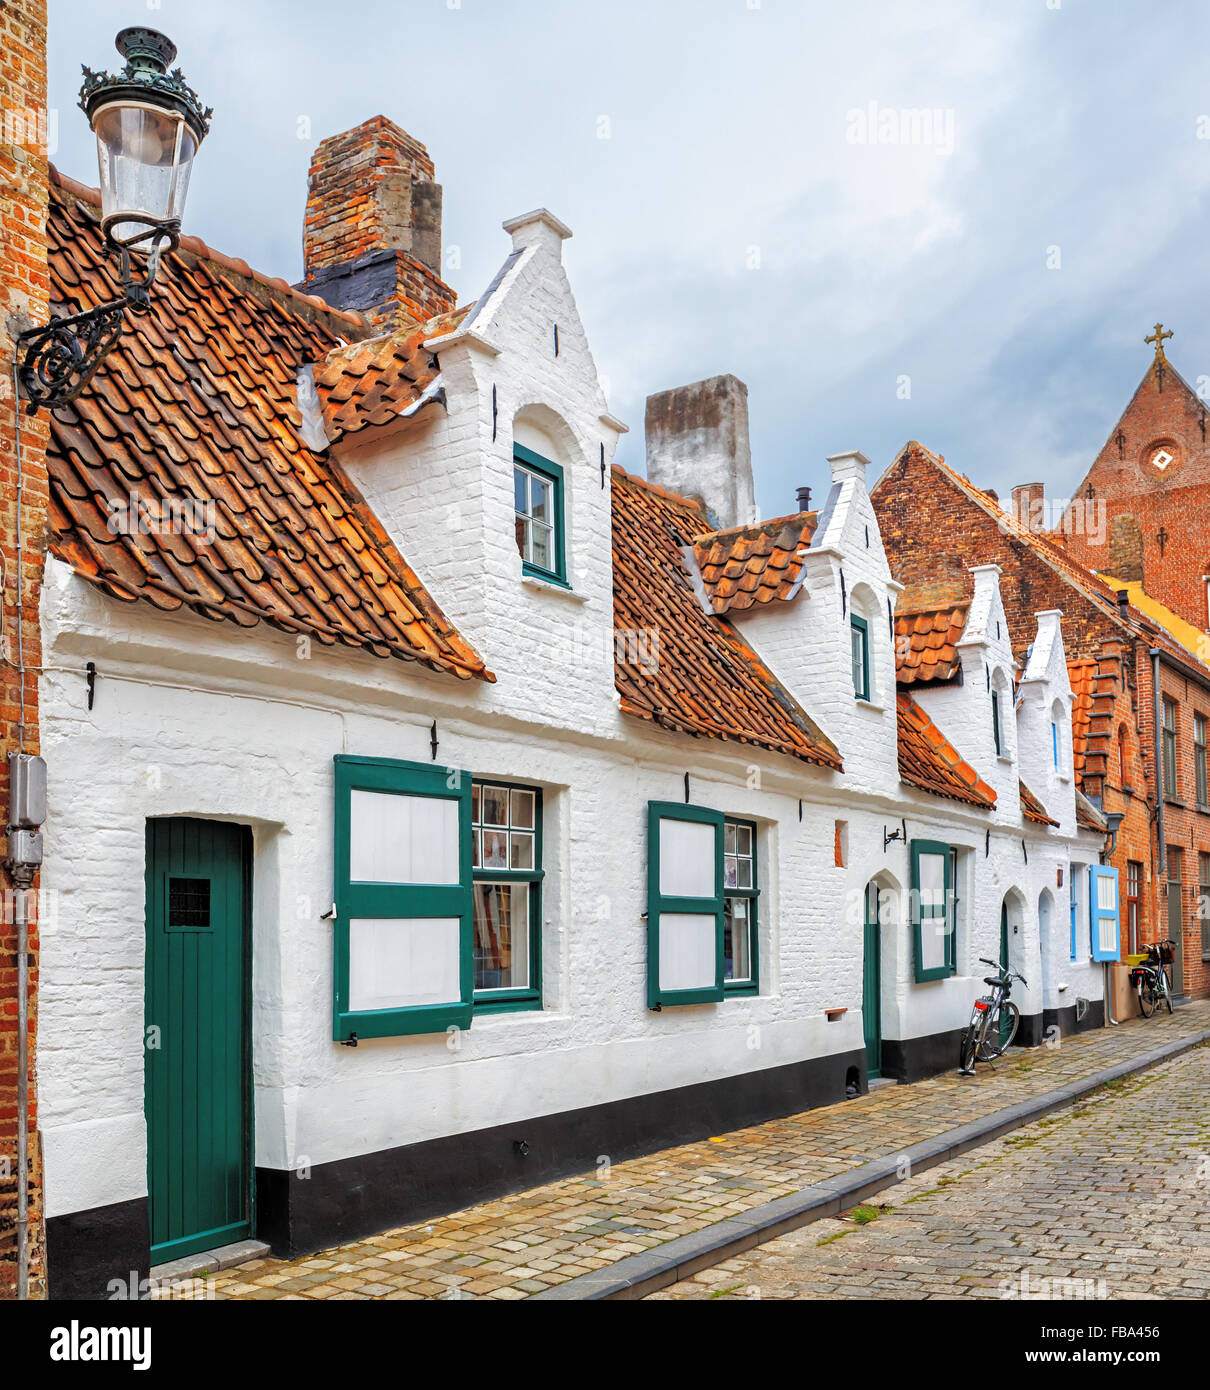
[188, 904]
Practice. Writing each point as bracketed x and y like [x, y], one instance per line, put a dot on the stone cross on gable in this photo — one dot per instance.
[1158, 339]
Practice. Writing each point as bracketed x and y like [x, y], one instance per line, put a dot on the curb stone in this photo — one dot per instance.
[635, 1276]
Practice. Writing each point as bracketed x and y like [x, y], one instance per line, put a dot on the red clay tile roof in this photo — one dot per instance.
[928, 760]
[1083, 676]
[926, 640]
[747, 565]
[1032, 809]
[373, 382]
[699, 676]
[194, 417]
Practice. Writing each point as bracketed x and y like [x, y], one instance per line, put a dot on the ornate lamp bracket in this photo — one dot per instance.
[61, 358]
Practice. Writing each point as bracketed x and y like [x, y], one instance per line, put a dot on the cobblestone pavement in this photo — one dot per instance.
[520, 1245]
[1107, 1199]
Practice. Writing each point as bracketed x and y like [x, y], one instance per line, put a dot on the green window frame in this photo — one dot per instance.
[1203, 901]
[538, 507]
[499, 833]
[366, 905]
[860, 638]
[927, 911]
[1201, 761]
[1170, 780]
[996, 721]
[741, 890]
[682, 926]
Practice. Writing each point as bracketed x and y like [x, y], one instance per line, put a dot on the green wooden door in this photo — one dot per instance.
[196, 1043]
[1004, 963]
[871, 986]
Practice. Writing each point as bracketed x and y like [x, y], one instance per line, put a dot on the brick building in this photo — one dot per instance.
[1152, 480]
[24, 189]
[936, 525]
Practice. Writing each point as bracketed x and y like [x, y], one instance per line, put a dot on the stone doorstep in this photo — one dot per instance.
[638, 1275]
[210, 1261]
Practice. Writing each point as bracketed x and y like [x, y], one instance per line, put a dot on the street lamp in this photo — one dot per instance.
[149, 124]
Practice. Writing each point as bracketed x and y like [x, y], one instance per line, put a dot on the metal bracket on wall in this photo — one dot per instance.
[433, 740]
[686, 789]
[894, 837]
[90, 675]
[495, 414]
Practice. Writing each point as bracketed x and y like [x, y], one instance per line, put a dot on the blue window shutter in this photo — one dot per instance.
[1104, 909]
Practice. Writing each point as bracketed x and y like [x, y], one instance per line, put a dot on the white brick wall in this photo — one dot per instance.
[197, 719]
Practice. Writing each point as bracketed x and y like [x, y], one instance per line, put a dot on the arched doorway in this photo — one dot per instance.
[871, 981]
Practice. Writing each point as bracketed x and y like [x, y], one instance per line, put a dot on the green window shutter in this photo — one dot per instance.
[684, 905]
[404, 910]
[932, 923]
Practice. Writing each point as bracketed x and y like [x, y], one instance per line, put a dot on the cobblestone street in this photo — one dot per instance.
[526, 1243]
[1107, 1199]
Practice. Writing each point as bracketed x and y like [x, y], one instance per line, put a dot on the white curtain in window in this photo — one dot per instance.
[686, 859]
[687, 950]
[403, 962]
[402, 839]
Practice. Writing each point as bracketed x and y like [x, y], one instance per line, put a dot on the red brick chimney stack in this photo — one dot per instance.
[372, 235]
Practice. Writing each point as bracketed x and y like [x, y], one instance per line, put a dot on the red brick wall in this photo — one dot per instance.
[933, 533]
[24, 185]
[1143, 501]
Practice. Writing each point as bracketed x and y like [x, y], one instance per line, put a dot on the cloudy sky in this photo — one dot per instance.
[981, 282]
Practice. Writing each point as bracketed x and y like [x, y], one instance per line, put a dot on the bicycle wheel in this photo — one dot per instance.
[968, 1048]
[1168, 995]
[1146, 999]
[1001, 1031]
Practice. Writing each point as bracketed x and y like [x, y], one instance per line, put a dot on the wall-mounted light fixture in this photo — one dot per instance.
[149, 124]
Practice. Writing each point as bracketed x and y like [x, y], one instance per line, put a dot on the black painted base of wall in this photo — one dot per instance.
[1071, 1020]
[356, 1197]
[913, 1059]
[87, 1251]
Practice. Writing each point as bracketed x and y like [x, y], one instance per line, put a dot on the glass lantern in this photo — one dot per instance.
[148, 125]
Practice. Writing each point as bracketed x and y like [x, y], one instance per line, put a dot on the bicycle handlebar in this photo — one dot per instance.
[1006, 973]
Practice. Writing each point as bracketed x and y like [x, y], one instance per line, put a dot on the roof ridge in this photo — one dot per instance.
[195, 246]
[755, 527]
[657, 489]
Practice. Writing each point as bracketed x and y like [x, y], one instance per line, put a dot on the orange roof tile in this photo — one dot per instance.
[747, 565]
[695, 674]
[179, 476]
[1083, 677]
[1032, 809]
[928, 760]
[373, 382]
[926, 640]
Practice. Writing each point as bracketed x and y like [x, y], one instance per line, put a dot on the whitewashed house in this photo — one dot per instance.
[435, 807]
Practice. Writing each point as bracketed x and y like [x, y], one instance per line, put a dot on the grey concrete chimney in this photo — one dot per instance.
[697, 445]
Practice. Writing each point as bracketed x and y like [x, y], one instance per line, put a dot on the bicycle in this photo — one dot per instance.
[1150, 977]
[994, 1020]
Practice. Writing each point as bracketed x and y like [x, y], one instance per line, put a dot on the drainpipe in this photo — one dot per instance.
[1159, 760]
[27, 814]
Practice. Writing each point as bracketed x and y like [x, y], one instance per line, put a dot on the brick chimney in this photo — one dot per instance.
[372, 235]
[697, 445]
[1028, 508]
[24, 198]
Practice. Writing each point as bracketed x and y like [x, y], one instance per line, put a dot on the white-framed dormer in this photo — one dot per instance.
[1043, 720]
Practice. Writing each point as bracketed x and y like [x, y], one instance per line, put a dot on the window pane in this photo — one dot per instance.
[745, 874]
[520, 491]
[403, 962]
[523, 537]
[686, 859]
[522, 848]
[523, 809]
[495, 849]
[542, 542]
[743, 839]
[729, 837]
[687, 950]
[475, 802]
[402, 839]
[502, 936]
[476, 848]
[540, 500]
[730, 871]
[737, 940]
[495, 805]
